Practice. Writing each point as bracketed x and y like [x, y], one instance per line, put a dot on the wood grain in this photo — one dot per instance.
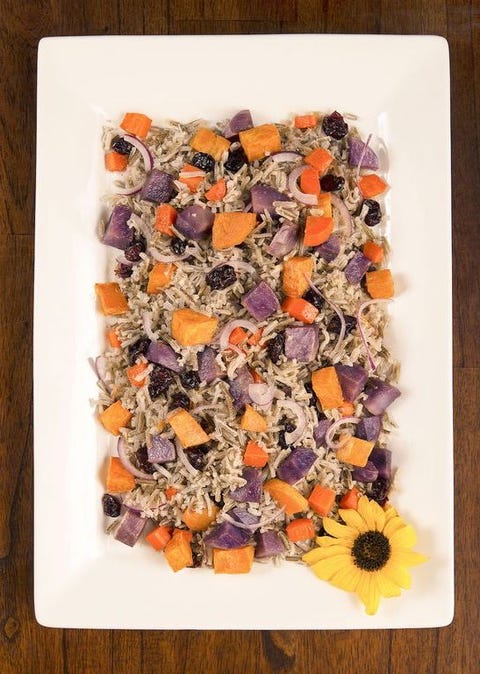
[25, 647]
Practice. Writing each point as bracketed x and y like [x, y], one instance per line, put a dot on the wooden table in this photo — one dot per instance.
[25, 647]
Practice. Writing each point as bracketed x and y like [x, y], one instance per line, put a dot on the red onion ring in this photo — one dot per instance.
[362, 155]
[301, 424]
[143, 149]
[279, 157]
[231, 325]
[338, 311]
[361, 309]
[333, 429]
[129, 191]
[345, 216]
[127, 464]
[253, 527]
[261, 394]
[307, 199]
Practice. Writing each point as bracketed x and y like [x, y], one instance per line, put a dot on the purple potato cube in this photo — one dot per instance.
[382, 460]
[261, 301]
[320, 431]
[357, 150]
[368, 473]
[352, 379]
[284, 240]
[163, 354]
[380, 395]
[130, 527]
[161, 450]
[263, 198]
[269, 544]
[226, 536]
[195, 222]
[296, 465]
[251, 492]
[239, 387]
[208, 368]
[357, 268]
[158, 187]
[369, 428]
[330, 249]
[244, 516]
[117, 232]
[302, 343]
[239, 122]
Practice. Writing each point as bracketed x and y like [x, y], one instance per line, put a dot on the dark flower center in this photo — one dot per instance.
[371, 551]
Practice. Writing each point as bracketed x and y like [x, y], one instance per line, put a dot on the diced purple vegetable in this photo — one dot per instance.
[284, 240]
[239, 387]
[269, 544]
[369, 428]
[356, 268]
[382, 460]
[261, 301]
[117, 232]
[330, 249]
[379, 396]
[227, 536]
[368, 473]
[195, 222]
[243, 515]
[239, 122]
[356, 148]
[263, 198]
[352, 379]
[162, 450]
[296, 465]
[163, 354]
[302, 343]
[251, 492]
[208, 368]
[130, 527]
[320, 431]
[158, 187]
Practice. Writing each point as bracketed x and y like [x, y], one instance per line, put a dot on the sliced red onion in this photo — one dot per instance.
[122, 449]
[183, 458]
[364, 150]
[284, 240]
[168, 258]
[344, 213]
[334, 428]
[129, 191]
[121, 259]
[307, 199]
[261, 394]
[337, 310]
[361, 309]
[227, 330]
[143, 149]
[301, 424]
[280, 157]
[147, 325]
[99, 366]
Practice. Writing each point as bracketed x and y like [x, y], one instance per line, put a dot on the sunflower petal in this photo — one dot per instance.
[339, 530]
[404, 538]
[363, 586]
[317, 554]
[327, 567]
[365, 511]
[387, 587]
[373, 596]
[392, 525]
[347, 578]
[408, 557]
[378, 515]
[397, 574]
[353, 519]
[390, 512]
[326, 541]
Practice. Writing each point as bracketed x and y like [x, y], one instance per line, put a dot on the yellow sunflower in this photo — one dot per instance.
[369, 554]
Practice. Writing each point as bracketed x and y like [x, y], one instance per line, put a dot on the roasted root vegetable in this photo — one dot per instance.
[355, 451]
[325, 204]
[178, 551]
[192, 177]
[190, 328]
[327, 387]
[373, 251]
[317, 230]
[301, 529]
[380, 284]
[294, 272]
[159, 537]
[114, 161]
[112, 301]
[260, 141]
[310, 181]
[300, 309]
[253, 421]
[239, 560]
[165, 218]
[320, 159]
[217, 191]
[286, 496]
[321, 500]
[187, 429]
[349, 500]
[209, 142]
[305, 121]
[261, 301]
[119, 479]
[113, 339]
[134, 374]
[371, 185]
[136, 123]
[115, 417]
[255, 455]
[160, 276]
[232, 228]
[200, 520]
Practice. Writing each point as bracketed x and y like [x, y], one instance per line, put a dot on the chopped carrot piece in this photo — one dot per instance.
[255, 338]
[170, 492]
[114, 161]
[350, 499]
[159, 537]
[112, 301]
[160, 276]
[113, 340]
[300, 309]
[201, 520]
[260, 141]
[217, 191]
[184, 534]
[321, 500]
[327, 387]
[380, 284]
[373, 251]
[310, 181]
[238, 560]
[136, 124]
[115, 417]
[346, 409]
[300, 530]
[286, 496]
[134, 372]
[294, 271]
[237, 336]
[178, 552]
[187, 429]
[253, 421]
[165, 218]
[119, 479]
[325, 203]
[255, 455]
[317, 230]
[192, 182]
[209, 142]
[355, 451]
[319, 159]
[190, 328]
[371, 185]
[232, 228]
[305, 121]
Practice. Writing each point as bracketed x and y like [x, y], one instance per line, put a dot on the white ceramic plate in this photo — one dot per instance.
[83, 578]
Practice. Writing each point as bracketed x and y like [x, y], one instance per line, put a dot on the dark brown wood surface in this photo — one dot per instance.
[25, 647]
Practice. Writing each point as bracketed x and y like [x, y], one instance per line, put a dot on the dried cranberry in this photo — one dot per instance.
[287, 428]
[121, 145]
[374, 213]
[203, 161]
[331, 183]
[111, 505]
[196, 457]
[160, 381]
[179, 400]
[275, 347]
[190, 379]
[235, 161]
[379, 491]
[132, 253]
[123, 270]
[221, 277]
[143, 463]
[334, 324]
[138, 348]
[335, 126]
[178, 245]
[314, 298]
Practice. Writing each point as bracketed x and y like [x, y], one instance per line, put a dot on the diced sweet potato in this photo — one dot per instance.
[253, 421]
[327, 387]
[260, 141]
[187, 430]
[118, 477]
[294, 282]
[380, 284]
[209, 142]
[232, 228]
[355, 451]
[238, 560]
[115, 417]
[178, 551]
[199, 520]
[160, 277]
[112, 301]
[190, 328]
[286, 496]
